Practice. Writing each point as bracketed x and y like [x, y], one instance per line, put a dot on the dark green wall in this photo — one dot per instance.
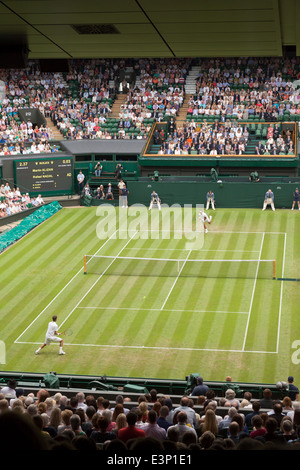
[248, 195]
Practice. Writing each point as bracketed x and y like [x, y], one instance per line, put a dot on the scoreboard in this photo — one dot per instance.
[44, 175]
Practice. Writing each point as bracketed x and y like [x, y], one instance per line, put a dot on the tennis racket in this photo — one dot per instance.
[68, 332]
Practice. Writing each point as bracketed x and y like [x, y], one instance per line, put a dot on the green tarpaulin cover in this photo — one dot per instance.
[27, 224]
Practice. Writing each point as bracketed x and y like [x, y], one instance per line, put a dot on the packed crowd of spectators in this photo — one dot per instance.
[218, 138]
[12, 201]
[276, 143]
[206, 139]
[247, 87]
[198, 422]
[159, 93]
[79, 102]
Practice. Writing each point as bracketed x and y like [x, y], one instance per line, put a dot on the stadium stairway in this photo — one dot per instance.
[251, 145]
[56, 132]
[115, 110]
[182, 113]
[190, 82]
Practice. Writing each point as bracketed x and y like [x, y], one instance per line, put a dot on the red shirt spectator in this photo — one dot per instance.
[131, 431]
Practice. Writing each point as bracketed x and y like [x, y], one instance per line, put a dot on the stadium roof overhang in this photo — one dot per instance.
[64, 29]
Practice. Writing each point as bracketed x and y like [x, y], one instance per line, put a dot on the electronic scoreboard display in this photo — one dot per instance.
[44, 175]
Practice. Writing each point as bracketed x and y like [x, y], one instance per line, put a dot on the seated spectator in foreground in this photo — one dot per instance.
[130, 431]
[152, 429]
[191, 415]
[258, 427]
[266, 401]
[182, 426]
[101, 433]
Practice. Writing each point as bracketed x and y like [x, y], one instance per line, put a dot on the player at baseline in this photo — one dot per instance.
[204, 218]
[52, 336]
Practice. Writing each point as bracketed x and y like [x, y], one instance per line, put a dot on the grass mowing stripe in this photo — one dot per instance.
[97, 280]
[33, 238]
[168, 363]
[253, 292]
[37, 245]
[33, 271]
[53, 298]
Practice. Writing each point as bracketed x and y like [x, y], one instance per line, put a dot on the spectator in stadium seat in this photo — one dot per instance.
[152, 429]
[10, 388]
[191, 415]
[81, 401]
[224, 423]
[233, 432]
[258, 428]
[120, 401]
[87, 190]
[209, 422]
[55, 418]
[101, 434]
[256, 406]
[287, 429]
[116, 411]
[231, 399]
[131, 431]
[99, 193]
[162, 419]
[47, 426]
[168, 402]
[65, 417]
[18, 432]
[182, 426]
[276, 411]
[206, 440]
[121, 423]
[271, 434]
[266, 401]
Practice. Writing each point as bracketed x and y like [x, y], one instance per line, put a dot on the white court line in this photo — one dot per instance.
[187, 249]
[175, 280]
[210, 231]
[159, 310]
[281, 292]
[164, 348]
[253, 291]
[57, 295]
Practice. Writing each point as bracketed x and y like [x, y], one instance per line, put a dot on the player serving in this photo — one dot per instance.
[204, 218]
[52, 336]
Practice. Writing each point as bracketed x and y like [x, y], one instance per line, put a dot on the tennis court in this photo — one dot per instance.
[133, 278]
[200, 309]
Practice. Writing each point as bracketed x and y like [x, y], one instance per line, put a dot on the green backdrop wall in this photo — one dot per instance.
[248, 195]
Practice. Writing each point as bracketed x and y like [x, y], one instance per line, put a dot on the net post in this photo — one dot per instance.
[84, 264]
[274, 269]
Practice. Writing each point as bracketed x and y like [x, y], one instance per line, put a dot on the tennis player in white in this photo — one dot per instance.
[52, 336]
[204, 218]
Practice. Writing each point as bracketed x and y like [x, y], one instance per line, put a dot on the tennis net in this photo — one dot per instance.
[157, 267]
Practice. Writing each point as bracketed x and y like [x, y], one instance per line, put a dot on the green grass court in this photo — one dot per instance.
[156, 323]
